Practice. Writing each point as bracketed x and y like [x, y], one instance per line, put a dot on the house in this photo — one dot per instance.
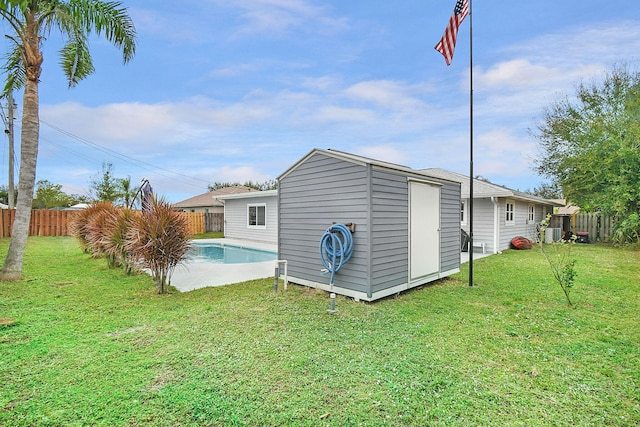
[207, 202]
[251, 215]
[499, 213]
[406, 223]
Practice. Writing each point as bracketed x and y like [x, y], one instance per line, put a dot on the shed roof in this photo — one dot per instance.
[354, 158]
[482, 189]
[209, 199]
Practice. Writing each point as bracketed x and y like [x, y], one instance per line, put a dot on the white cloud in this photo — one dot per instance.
[514, 73]
[387, 94]
[500, 152]
[281, 16]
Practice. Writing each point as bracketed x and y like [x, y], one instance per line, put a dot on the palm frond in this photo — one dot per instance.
[75, 59]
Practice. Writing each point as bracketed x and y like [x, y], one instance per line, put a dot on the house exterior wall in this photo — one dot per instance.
[323, 189]
[521, 225]
[483, 222]
[484, 219]
[236, 222]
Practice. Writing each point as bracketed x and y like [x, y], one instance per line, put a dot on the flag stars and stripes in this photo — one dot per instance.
[447, 44]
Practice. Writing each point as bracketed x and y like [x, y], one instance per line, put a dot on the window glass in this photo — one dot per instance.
[510, 210]
[257, 215]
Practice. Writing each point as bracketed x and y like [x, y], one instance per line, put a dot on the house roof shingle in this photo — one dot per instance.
[482, 189]
[208, 199]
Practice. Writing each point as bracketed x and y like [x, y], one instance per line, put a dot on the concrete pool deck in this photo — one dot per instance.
[191, 276]
[188, 277]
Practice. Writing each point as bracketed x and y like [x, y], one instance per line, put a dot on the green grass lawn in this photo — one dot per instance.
[91, 346]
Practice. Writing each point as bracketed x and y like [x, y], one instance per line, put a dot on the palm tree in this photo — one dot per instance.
[32, 20]
[128, 193]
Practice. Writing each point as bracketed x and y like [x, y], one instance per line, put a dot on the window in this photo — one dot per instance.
[510, 212]
[532, 214]
[257, 215]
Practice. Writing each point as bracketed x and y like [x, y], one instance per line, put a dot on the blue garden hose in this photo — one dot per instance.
[336, 248]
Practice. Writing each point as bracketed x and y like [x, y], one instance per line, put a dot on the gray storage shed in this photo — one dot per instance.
[407, 223]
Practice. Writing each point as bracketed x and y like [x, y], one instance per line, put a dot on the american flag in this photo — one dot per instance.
[447, 43]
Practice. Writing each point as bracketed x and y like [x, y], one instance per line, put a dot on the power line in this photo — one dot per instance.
[128, 159]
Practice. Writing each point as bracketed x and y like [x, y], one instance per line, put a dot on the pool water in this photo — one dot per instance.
[227, 254]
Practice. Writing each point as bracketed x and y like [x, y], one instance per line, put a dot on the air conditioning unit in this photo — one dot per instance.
[552, 235]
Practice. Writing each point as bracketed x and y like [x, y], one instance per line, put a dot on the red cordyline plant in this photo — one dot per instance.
[80, 225]
[159, 240]
[114, 244]
[98, 232]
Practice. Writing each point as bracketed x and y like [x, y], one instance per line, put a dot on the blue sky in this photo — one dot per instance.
[236, 90]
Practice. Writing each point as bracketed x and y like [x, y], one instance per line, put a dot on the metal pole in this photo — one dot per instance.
[470, 145]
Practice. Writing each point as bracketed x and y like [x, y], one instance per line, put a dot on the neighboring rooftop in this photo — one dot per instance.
[209, 199]
[566, 208]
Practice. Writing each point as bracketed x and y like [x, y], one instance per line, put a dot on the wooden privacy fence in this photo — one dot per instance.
[196, 222]
[56, 223]
[43, 222]
[213, 222]
[599, 227]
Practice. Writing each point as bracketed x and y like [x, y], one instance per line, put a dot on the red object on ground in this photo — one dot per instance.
[520, 242]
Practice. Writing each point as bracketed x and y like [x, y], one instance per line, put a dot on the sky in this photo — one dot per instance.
[240, 90]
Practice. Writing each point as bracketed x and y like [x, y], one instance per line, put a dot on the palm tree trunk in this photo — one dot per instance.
[12, 269]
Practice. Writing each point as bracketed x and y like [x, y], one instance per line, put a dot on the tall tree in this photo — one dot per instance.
[50, 195]
[104, 186]
[271, 184]
[31, 21]
[126, 192]
[590, 145]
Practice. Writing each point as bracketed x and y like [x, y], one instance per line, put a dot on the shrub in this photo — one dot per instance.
[115, 234]
[558, 255]
[98, 230]
[628, 231]
[83, 226]
[159, 240]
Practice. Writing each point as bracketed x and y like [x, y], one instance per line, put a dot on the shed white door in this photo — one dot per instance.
[424, 229]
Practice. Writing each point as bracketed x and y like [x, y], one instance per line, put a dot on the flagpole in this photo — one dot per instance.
[470, 144]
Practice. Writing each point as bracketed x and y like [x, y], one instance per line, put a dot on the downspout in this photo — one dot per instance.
[496, 225]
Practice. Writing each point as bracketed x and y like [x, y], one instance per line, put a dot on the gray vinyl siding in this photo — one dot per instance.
[236, 219]
[521, 226]
[450, 227]
[483, 222]
[484, 218]
[390, 225]
[314, 196]
[324, 189]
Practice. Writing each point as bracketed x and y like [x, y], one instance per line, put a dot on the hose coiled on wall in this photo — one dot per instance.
[336, 248]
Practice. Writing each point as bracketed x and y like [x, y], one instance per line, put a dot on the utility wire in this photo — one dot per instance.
[123, 157]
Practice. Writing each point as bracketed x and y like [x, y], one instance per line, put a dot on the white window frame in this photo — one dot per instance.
[256, 206]
[510, 214]
[531, 216]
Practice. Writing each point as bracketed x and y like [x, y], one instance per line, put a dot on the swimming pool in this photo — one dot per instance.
[217, 253]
